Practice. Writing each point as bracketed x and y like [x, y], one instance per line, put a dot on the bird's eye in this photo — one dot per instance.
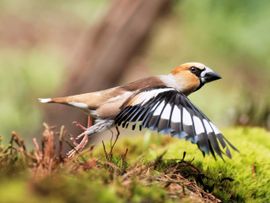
[193, 69]
[196, 71]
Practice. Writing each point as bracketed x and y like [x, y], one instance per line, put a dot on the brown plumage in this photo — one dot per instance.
[158, 103]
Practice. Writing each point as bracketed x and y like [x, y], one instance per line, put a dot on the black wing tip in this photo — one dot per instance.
[230, 144]
[217, 145]
[226, 149]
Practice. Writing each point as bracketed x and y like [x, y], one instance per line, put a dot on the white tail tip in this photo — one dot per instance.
[45, 100]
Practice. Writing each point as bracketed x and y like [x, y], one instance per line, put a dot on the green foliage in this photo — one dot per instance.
[25, 77]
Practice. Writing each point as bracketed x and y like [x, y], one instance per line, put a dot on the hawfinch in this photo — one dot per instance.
[159, 103]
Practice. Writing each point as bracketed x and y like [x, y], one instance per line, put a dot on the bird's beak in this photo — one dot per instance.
[208, 75]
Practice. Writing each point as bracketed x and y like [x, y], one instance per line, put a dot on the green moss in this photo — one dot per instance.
[91, 178]
[70, 188]
[154, 193]
[245, 177]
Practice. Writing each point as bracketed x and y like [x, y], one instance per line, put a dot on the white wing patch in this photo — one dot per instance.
[216, 131]
[186, 117]
[176, 115]
[207, 126]
[159, 109]
[166, 112]
[198, 125]
[145, 96]
[154, 107]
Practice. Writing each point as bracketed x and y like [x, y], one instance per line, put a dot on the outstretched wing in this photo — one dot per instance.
[168, 111]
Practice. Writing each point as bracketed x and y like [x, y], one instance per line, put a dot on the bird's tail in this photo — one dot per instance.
[75, 101]
[90, 101]
[52, 100]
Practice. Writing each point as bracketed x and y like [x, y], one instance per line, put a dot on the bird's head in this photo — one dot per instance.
[190, 77]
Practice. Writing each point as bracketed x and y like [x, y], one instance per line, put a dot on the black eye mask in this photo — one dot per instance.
[196, 71]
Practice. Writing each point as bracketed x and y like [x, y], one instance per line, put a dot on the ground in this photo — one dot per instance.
[149, 168]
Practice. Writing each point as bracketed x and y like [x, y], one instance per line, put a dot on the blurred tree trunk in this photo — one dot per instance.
[106, 52]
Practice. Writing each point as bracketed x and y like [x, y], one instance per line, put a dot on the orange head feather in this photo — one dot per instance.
[192, 76]
[187, 66]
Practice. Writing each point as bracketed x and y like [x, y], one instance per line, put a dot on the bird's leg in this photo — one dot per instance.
[116, 138]
[111, 139]
[89, 121]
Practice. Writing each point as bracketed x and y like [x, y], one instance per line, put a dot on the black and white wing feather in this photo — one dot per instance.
[168, 111]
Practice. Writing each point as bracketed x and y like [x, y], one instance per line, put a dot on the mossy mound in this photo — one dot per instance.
[245, 177]
[148, 168]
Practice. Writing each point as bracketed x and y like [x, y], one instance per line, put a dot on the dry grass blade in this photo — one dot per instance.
[45, 156]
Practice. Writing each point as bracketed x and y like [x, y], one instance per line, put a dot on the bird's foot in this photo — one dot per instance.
[78, 146]
[79, 125]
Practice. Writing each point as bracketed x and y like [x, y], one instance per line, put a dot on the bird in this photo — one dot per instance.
[158, 103]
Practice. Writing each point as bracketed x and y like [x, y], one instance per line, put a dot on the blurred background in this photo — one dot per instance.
[54, 48]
